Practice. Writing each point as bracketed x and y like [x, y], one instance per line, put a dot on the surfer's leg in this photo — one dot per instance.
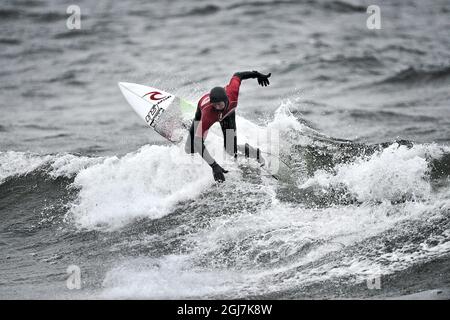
[228, 126]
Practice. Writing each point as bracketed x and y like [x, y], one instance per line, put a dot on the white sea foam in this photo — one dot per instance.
[68, 165]
[20, 163]
[170, 277]
[147, 183]
[14, 163]
[391, 174]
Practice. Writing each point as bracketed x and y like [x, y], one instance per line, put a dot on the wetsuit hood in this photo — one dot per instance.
[218, 94]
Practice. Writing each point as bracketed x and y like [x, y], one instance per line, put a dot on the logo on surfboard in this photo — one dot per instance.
[153, 95]
[155, 112]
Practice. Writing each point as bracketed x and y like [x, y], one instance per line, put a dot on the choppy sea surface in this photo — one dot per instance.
[362, 206]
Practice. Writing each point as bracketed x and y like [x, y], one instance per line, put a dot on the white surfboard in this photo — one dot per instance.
[164, 112]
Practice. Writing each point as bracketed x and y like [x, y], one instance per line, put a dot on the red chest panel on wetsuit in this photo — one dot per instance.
[210, 115]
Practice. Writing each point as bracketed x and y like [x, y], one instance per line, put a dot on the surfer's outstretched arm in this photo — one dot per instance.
[263, 79]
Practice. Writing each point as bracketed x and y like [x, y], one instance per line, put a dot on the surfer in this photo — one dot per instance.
[219, 105]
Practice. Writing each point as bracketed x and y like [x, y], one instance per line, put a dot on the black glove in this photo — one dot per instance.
[218, 172]
[263, 79]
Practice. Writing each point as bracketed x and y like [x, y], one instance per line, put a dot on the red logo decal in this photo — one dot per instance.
[153, 95]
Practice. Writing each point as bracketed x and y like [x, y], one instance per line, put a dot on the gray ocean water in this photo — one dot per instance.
[362, 210]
